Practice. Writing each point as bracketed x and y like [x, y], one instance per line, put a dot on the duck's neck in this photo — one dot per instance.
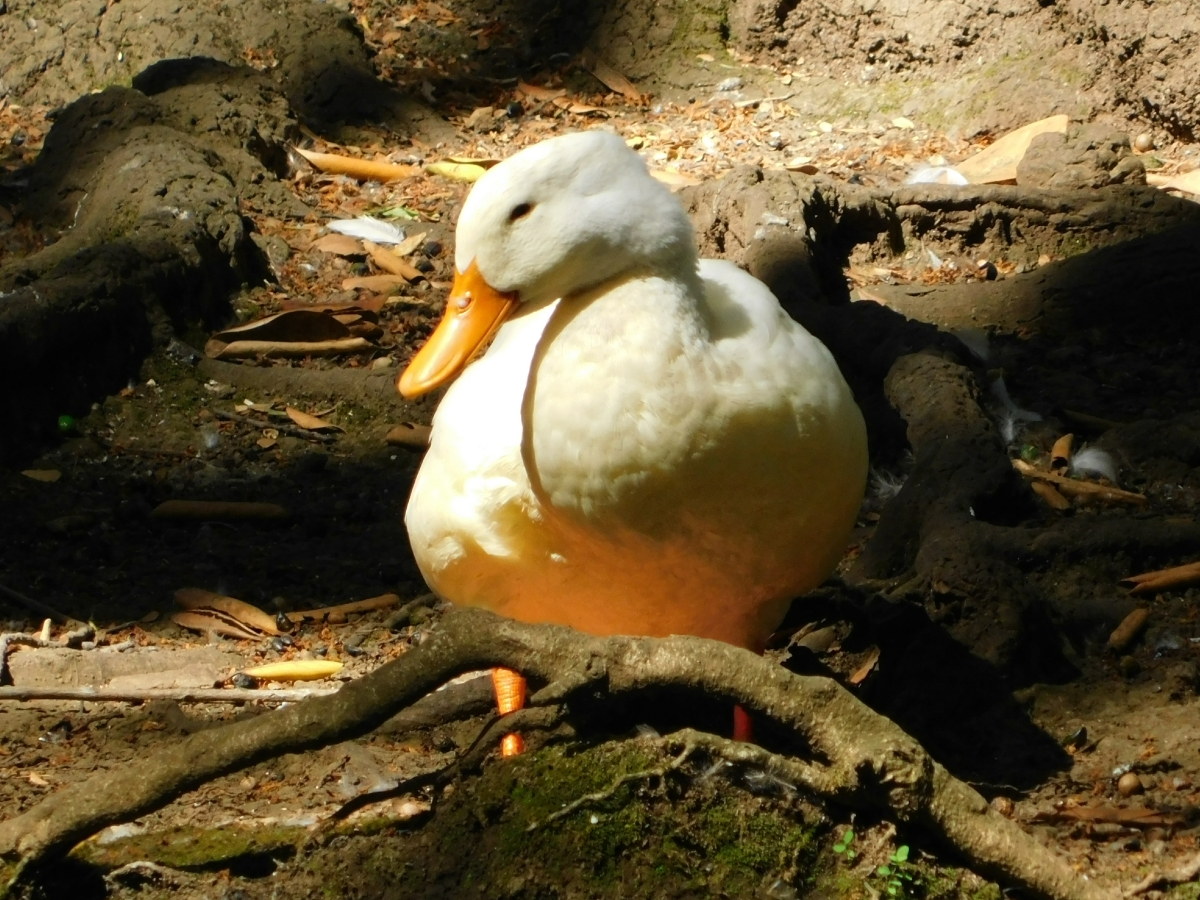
[611, 387]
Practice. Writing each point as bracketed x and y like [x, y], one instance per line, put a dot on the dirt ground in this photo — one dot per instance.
[997, 661]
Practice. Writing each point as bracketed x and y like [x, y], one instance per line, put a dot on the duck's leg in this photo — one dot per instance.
[510, 696]
[743, 725]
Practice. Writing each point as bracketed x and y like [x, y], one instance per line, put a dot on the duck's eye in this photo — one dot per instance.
[520, 211]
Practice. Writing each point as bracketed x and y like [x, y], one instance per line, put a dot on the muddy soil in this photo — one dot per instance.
[153, 202]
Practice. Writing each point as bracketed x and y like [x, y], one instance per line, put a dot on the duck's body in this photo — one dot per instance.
[659, 451]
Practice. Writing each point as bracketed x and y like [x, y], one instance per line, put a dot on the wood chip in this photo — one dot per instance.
[1052, 497]
[245, 349]
[409, 435]
[317, 615]
[1130, 627]
[391, 263]
[362, 169]
[218, 510]
[1164, 579]
[410, 243]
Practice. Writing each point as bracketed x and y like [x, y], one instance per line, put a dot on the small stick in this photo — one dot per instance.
[181, 695]
[381, 602]
[1185, 873]
[218, 509]
[1078, 488]
[1129, 628]
[282, 428]
[1164, 579]
[36, 606]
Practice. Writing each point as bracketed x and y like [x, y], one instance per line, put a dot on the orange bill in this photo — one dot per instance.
[474, 310]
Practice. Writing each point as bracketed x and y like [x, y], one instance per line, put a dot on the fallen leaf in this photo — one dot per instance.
[998, 163]
[903, 123]
[218, 510]
[1130, 627]
[37, 780]
[611, 78]
[341, 244]
[312, 423]
[244, 613]
[206, 620]
[292, 325]
[1113, 814]
[49, 476]
[266, 443]
[486, 161]
[1189, 182]
[295, 670]
[367, 304]
[458, 171]
[805, 168]
[366, 170]
[1164, 579]
[244, 349]
[541, 94]
[673, 179]
[380, 284]
[861, 673]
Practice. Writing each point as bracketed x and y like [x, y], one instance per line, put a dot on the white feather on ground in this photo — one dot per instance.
[368, 228]
[1095, 462]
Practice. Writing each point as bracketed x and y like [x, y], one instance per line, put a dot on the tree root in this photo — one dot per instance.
[861, 759]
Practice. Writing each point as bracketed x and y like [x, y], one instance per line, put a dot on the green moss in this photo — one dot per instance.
[193, 848]
[1185, 892]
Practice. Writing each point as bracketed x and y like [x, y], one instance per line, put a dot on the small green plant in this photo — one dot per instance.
[843, 848]
[899, 875]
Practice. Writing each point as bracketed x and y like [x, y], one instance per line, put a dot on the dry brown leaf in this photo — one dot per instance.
[673, 179]
[391, 263]
[486, 161]
[1188, 182]
[381, 602]
[215, 349]
[48, 476]
[379, 284]
[292, 325]
[805, 168]
[218, 510]
[410, 435]
[340, 244]
[312, 423]
[998, 163]
[205, 620]
[1112, 814]
[250, 616]
[1079, 488]
[363, 169]
[611, 78]
[541, 94]
[861, 673]
[37, 780]
[266, 443]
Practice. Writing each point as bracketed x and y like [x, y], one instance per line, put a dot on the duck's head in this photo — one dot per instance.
[555, 219]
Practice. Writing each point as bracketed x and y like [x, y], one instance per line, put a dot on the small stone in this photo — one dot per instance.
[1129, 784]
[424, 265]
[514, 110]
[1144, 142]
[384, 362]
[730, 84]
[432, 249]
[1004, 806]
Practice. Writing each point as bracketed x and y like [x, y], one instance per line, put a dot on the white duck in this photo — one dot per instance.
[651, 446]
